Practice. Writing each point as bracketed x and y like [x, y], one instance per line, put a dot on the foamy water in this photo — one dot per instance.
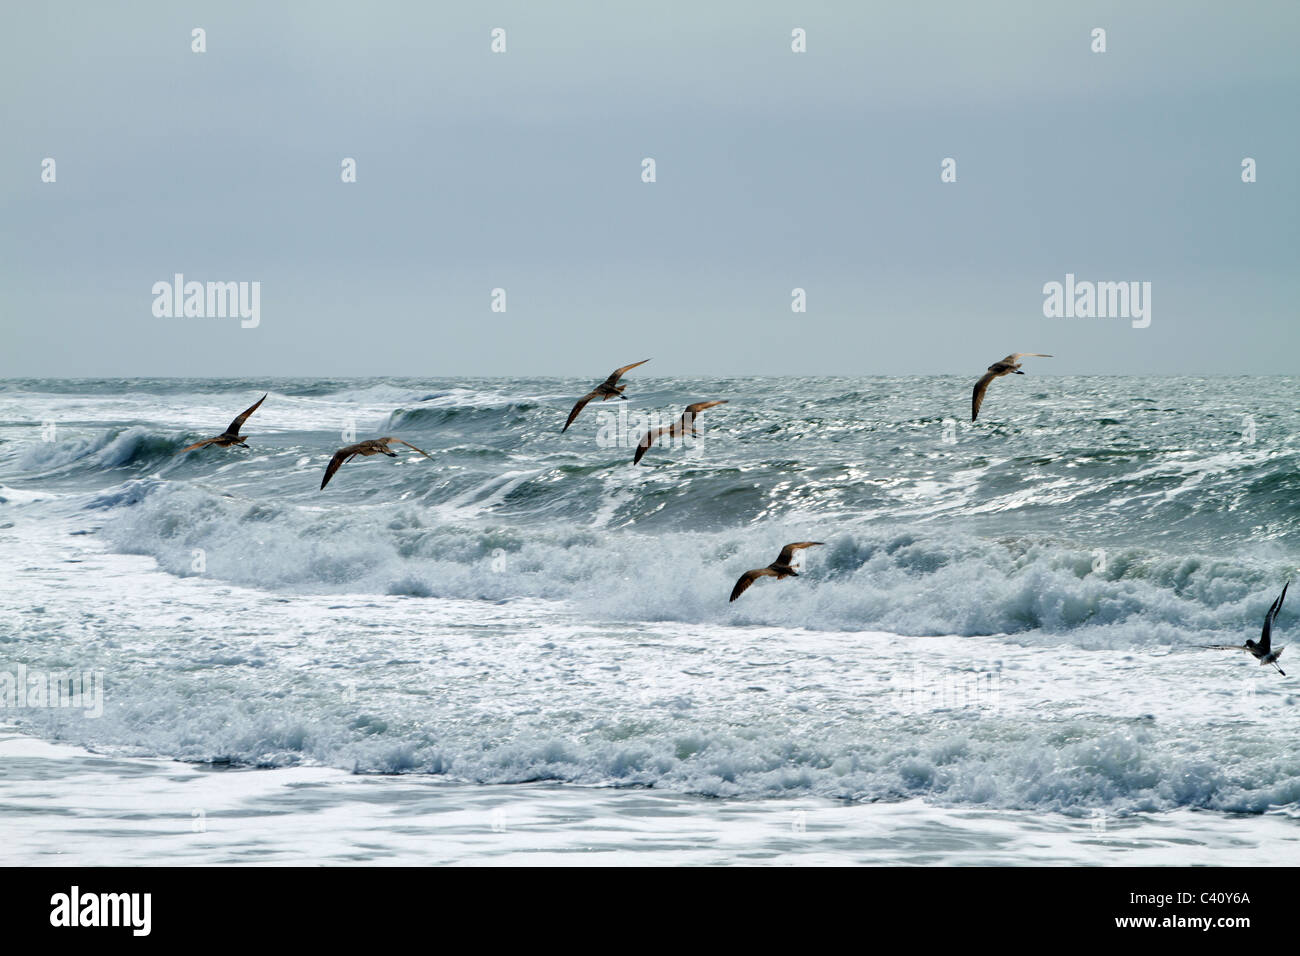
[990, 658]
[65, 807]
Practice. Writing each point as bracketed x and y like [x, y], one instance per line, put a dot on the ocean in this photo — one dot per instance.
[522, 650]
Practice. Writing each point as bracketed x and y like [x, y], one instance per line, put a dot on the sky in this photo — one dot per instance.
[522, 171]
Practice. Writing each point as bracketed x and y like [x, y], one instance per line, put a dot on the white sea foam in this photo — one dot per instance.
[527, 690]
[531, 607]
[156, 812]
[890, 579]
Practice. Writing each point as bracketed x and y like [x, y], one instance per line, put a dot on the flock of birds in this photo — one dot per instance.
[371, 446]
[783, 566]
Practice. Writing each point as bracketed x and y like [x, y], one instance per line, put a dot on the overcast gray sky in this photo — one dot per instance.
[522, 170]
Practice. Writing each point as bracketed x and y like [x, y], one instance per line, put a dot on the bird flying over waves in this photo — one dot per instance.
[780, 568]
[231, 435]
[605, 390]
[373, 446]
[1262, 649]
[684, 425]
[1007, 366]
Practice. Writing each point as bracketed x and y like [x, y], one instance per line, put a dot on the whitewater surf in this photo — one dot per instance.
[1001, 619]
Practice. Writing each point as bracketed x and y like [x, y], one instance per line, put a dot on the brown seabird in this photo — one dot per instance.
[372, 446]
[684, 425]
[1262, 650]
[231, 435]
[605, 390]
[1007, 366]
[780, 568]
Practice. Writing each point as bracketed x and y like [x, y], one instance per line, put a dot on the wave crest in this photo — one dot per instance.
[869, 578]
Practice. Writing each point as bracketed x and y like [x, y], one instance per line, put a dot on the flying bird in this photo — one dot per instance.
[780, 568]
[231, 435]
[605, 390]
[1007, 366]
[1262, 649]
[373, 446]
[680, 427]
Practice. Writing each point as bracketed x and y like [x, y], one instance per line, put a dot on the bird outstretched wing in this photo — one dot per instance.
[242, 417]
[693, 410]
[748, 578]
[787, 553]
[615, 375]
[577, 410]
[977, 397]
[403, 441]
[643, 446]
[687, 421]
[197, 444]
[340, 456]
[1266, 636]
